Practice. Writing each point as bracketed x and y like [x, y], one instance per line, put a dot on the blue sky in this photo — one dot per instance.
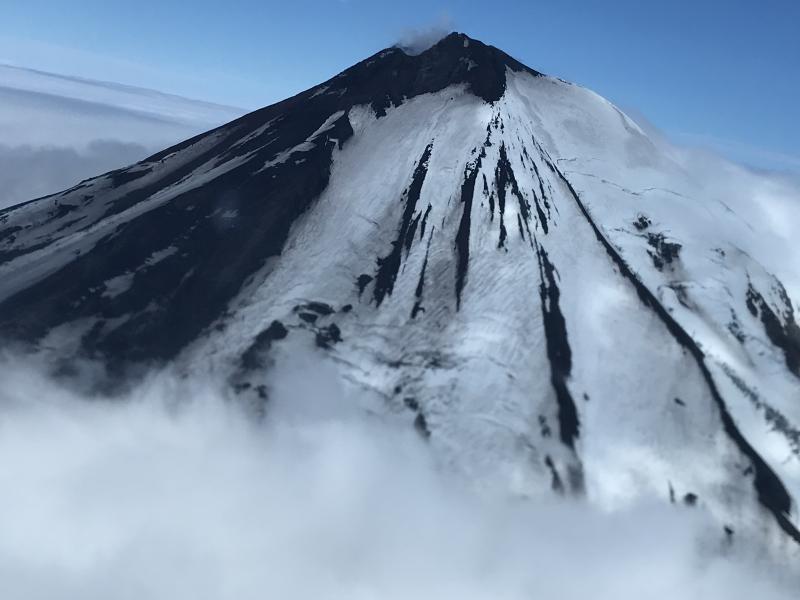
[709, 72]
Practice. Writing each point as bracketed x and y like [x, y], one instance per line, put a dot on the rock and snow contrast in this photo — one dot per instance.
[500, 259]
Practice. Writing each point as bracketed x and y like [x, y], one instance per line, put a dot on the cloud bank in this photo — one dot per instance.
[28, 172]
[57, 130]
[175, 491]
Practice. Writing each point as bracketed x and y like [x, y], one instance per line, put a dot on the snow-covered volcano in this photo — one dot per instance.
[500, 258]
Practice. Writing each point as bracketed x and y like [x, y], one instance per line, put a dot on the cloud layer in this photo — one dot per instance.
[57, 130]
[177, 492]
[28, 172]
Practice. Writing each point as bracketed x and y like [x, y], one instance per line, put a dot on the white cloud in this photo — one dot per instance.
[416, 40]
[27, 172]
[175, 492]
[56, 130]
[754, 156]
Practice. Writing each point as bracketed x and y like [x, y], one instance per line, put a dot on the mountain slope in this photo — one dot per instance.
[502, 259]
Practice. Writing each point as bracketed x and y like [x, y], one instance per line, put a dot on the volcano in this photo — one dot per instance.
[499, 258]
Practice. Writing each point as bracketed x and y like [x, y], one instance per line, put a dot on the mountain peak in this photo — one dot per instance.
[424, 42]
[398, 72]
[453, 42]
[454, 39]
[463, 46]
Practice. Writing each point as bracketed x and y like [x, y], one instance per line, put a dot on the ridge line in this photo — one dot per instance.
[771, 492]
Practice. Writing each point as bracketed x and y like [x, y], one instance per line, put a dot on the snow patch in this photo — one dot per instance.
[118, 285]
[305, 146]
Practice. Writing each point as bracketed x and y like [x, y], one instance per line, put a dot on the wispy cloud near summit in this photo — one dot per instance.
[417, 40]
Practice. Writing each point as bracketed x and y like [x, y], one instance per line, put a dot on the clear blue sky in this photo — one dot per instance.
[721, 73]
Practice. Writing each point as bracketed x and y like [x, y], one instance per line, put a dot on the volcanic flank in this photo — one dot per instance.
[502, 259]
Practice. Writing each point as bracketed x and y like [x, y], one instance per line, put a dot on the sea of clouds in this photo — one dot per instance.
[177, 491]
